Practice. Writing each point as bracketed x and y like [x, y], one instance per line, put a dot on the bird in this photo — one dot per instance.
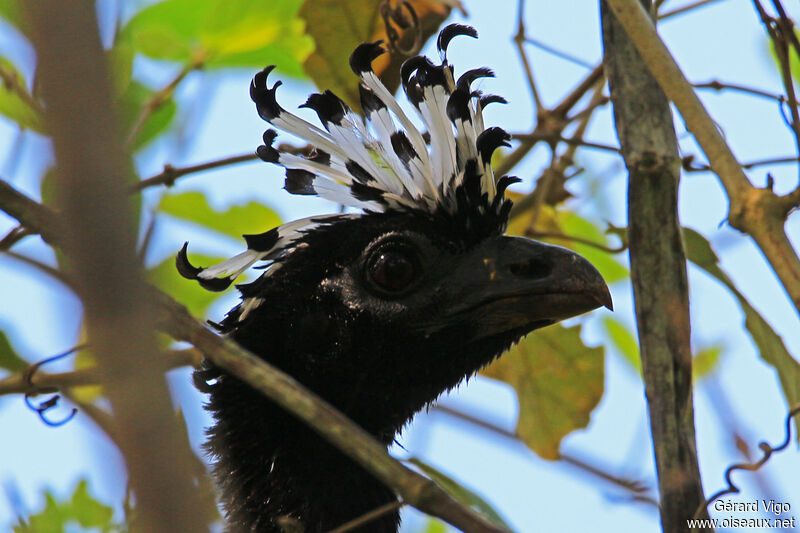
[382, 308]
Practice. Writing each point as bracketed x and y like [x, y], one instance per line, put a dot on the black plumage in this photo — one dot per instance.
[377, 312]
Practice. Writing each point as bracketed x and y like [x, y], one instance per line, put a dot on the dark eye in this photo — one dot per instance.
[392, 270]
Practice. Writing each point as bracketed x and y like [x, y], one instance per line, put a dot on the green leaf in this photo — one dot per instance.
[338, 26]
[132, 103]
[769, 344]
[624, 341]
[706, 361]
[461, 493]
[558, 381]
[573, 225]
[223, 33]
[794, 60]
[120, 59]
[435, 526]
[12, 105]
[165, 276]
[194, 207]
[9, 360]
[80, 508]
[11, 12]
[87, 511]
[85, 359]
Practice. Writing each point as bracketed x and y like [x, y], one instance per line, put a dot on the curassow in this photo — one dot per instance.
[377, 312]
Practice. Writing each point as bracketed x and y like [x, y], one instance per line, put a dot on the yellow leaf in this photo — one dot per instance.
[558, 381]
[338, 26]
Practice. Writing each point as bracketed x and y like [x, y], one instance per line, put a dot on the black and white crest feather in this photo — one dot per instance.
[381, 162]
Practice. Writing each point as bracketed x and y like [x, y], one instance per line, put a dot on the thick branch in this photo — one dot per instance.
[658, 270]
[99, 240]
[758, 212]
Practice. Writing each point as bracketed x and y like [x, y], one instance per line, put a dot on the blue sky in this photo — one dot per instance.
[724, 41]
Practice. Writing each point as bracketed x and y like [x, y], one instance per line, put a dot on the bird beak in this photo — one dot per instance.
[515, 284]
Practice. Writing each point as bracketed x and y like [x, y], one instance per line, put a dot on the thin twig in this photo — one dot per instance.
[572, 238]
[158, 99]
[719, 86]
[683, 9]
[560, 164]
[550, 124]
[170, 174]
[47, 405]
[559, 53]
[734, 426]
[368, 517]
[12, 82]
[768, 450]
[552, 139]
[589, 109]
[13, 237]
[580, 90]
[519, 41]
[47, 269]
[690, 166]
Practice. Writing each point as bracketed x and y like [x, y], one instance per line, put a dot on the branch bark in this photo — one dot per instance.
[758, 212]
[658, 269]
[99, 241]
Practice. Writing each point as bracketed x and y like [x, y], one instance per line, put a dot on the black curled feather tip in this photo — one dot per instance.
[453, 30]
[381, 162]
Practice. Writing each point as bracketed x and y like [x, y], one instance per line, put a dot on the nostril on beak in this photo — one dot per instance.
[531, 269]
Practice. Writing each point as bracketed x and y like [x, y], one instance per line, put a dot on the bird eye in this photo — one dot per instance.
[393, 270]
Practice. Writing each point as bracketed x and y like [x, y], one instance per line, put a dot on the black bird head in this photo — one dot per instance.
[378, 312]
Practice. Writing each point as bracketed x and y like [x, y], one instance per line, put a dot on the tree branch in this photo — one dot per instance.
[658, 269]
[684, 9]
[43, 382]
[721, 86]
[170, 174]
[758, 212]
[535, 137]
[551, 123]
[99, 240]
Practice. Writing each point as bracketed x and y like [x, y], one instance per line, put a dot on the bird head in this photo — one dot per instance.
[380, 311]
